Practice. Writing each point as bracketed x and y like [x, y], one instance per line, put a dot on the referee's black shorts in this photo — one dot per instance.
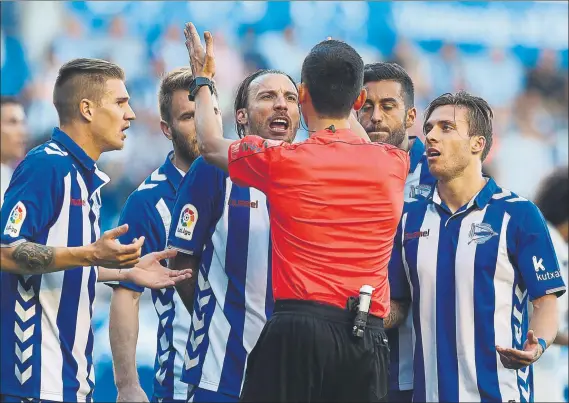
[307, 353]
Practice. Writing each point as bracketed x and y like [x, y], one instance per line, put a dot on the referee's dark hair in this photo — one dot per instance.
[383, 71]
[479, 115]
[82, 79]
[175, 80]
[552, 196]
[242, 97]
[333, 73]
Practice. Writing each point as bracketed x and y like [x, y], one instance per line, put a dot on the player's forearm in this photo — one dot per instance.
[544, 320]
[397, 314]
[30, 258]
[562, 339]
[106, 275]
[213, 147]
[123, 335]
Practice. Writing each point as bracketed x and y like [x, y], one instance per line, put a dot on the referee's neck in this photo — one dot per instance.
[317, 124]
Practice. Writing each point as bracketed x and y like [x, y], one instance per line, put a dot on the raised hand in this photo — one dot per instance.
[150, 273]
[515, 359]
[202, 61]
[109, 252]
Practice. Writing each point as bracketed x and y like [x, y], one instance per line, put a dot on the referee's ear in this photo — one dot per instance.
[360, 100]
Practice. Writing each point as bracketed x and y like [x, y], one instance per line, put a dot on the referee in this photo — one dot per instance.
[334, 204]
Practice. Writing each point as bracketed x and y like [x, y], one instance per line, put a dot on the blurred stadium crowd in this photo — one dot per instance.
[513, 54]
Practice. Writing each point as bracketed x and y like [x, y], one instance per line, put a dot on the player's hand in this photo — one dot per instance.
[202, 61]
[131, 394]
[150, 273]
[515, 359]
[109, 252]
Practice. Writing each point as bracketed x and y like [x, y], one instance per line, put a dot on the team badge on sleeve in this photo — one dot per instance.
[15, 220]
[187, 222]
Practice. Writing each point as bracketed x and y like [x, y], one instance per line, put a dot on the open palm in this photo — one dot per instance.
[150, 273]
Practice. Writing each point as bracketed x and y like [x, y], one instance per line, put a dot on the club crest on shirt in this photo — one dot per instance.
[480, 233]
[420, 190]
[15, 220]
[187, 222]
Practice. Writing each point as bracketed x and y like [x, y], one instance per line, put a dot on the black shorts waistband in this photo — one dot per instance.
[324, 311]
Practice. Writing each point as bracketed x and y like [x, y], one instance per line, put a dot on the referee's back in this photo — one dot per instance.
[335, 202]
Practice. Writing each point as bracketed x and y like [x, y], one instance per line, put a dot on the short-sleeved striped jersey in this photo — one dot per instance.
[45, 321]
[470, 275]
[227, 226]
[147, 212]
[418, 185]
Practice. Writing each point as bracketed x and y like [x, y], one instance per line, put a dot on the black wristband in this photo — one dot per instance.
[196, 84]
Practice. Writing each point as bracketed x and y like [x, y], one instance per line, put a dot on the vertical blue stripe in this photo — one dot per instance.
[269, 299]
[236, 270]
[413, 224]
[70, 293]
[447, 360]
[90, 339]
[485, 261]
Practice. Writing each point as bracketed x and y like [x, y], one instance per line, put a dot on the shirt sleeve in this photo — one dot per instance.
[142, 220]
[535, 256]
[250, 159]
[198, 207]
[398, 281]
[32, 201]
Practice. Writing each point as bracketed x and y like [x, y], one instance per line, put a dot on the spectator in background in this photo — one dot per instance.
[119, 46]
[14, 72]
[525, 146]
[252, 57]
[547, 79]
[447, 70]
[12, 139]
[42, 115]
[275, 45]
[550, 371]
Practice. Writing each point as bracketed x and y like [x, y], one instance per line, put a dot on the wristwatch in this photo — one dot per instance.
[196, 84]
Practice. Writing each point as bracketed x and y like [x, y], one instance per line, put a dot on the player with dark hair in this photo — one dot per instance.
[470, 256]
[388, 112]
[12, 138]
[223, 229]
[148, 212]
[552, 198]
[335, 201]
[51, 248]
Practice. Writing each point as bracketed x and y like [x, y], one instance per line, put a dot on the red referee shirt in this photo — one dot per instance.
[334, 202]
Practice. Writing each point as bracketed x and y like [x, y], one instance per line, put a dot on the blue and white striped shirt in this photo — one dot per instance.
[418, 185]
[470, 275]
[228, 227]
[45, 323]
[147, 212]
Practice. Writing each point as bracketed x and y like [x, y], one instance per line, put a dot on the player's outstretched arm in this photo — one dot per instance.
[543, 325]
[29, 258]
[213, 147]
[123, 335]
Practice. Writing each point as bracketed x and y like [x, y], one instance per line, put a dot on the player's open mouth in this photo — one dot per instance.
[433, 152]
[279, 125]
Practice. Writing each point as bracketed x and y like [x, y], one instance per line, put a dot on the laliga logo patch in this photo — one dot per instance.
[15, 221]
[187, 222]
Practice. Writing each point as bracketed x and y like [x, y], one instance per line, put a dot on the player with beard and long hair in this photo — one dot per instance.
[147, 212]
[223, 229]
